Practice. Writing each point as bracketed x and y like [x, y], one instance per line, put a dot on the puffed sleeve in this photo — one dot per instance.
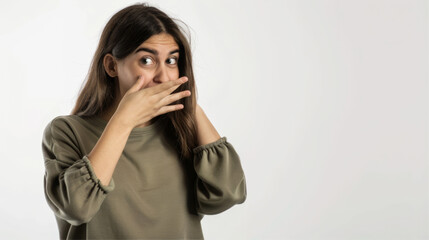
[71, 187]
[220, 182]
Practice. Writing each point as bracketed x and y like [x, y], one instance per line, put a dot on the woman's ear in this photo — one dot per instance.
[110, 65]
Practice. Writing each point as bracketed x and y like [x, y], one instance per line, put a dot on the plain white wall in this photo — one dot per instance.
[325, 101]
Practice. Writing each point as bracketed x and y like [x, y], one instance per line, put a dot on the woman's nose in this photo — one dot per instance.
[161, 75]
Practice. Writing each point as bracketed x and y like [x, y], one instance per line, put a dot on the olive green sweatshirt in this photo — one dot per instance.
[153, 194]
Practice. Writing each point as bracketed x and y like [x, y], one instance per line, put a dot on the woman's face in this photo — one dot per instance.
[155, 60]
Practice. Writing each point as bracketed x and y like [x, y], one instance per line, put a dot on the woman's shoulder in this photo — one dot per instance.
[69, 123]
[65, 120]
[71, 129]
[59, 128]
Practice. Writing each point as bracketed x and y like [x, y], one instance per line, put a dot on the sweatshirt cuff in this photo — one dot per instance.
[94, 177]
[209, 145]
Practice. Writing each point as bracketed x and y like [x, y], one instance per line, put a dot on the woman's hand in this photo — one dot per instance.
[140, 106]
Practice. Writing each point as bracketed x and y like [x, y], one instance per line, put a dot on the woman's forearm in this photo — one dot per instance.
[206, 131]
[108, 149]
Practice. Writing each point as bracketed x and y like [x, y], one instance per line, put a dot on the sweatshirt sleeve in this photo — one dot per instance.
[220, 182]
[71, 187]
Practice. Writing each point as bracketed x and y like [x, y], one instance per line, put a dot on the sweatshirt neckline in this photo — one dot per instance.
[137, 131]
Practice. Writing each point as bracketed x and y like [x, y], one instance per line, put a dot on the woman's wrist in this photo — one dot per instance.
[118, 122]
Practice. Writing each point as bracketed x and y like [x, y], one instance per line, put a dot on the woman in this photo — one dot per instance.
[137, 157]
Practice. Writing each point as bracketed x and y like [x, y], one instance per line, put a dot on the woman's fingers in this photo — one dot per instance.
[167, 92]
[160, 95]
[169, 108]
[174, 97]
[136, 86]
[164, 97]
[168, 87]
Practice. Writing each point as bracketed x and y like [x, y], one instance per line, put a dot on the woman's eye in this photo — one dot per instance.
[172, 61]
[147, 61]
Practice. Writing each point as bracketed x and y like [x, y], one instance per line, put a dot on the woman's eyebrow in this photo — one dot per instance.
[153, 50]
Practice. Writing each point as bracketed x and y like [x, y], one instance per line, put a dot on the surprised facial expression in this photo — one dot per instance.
[156, 60]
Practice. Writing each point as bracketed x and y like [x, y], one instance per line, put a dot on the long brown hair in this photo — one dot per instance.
[123, 33]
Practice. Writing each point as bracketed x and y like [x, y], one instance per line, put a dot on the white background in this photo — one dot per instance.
[326, 102]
